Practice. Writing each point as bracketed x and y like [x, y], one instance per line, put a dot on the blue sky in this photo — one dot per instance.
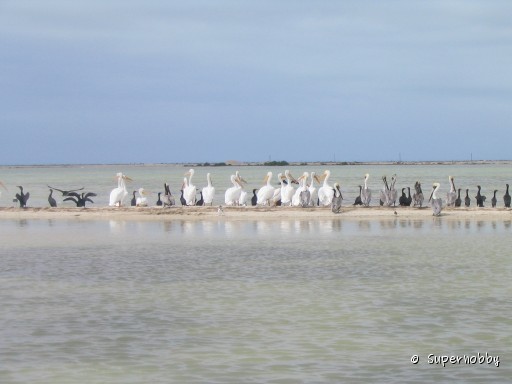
[182, 81]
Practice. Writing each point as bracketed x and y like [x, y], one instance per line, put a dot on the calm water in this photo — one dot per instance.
[220, 301]
[253, 301]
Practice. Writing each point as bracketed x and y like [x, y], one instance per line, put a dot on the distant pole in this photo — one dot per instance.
[399, 157]
[335, 157]
[471, 156]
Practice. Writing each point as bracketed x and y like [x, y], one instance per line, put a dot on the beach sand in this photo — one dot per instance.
[251, 213]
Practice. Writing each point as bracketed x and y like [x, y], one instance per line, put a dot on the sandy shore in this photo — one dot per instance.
[250, 213]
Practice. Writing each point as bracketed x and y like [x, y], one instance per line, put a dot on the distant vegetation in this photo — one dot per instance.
[276, 163]
[212, 165]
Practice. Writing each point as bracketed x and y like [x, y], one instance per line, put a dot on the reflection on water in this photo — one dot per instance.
[253, 301]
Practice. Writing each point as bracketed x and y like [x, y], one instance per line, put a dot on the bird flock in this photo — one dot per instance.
[311, 190]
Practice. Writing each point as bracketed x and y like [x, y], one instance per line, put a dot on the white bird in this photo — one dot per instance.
[118, 194]
[266, 192]
[325, 192]
[437, 202]
[366, 193]
[208, 191]
[3, 186]
[313, 200]
[142, 201]
[303, 186]
[189, 191]
[232, 195]
[287, 190]
[242, 200]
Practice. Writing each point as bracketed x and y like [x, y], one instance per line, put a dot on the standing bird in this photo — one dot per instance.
[133, 201]
[480, 199]
[458, 201]
[452, 195]
[159, 201]
[51, 200]
[493, 200]
[303, 186]
[232, 194]
[417, 197]
[337, 199]
[3, 186]
[22, 197]
[393, 194]
[325, 192]
[437, 202]
[242, 200]
[366, 193]
[467, 200]
[313, 192]
[409, 198]
[266, 193]
[254, 198]
[168, 197]
[287, 190]
[506, 198]
[402, 201]
[200, 202]
[208, 191]
[117, 195]
[189, 192]
[359, 200]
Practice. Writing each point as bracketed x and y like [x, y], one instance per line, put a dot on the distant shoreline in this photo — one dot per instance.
[259, 164]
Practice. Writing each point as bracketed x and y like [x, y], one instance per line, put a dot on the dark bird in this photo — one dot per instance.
[506, 198]
[480, 199]
[133, 201]
[159, 201]
[409, 198]
[467, 200]
[402, 201]
[22, 197]
[168, 197]
[418, 197]
[80, 200]
[458, 201]
[65, 193]
[254, 198]
[200, 202]
[51, 200]
[359, 200]
[182, 199]
[493, 200]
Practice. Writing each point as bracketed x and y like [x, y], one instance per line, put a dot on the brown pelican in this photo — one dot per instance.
[480, 199]
[506, 198]
[51, 200]
[493, 200]
[467, 200]
[384, 195]
[437, 202]
[417, 197]
[336, 199]
[22, 197]
[366, 193]
[452, 195]
[168, 200]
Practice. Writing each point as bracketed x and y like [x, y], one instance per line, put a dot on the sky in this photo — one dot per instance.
[91, 82]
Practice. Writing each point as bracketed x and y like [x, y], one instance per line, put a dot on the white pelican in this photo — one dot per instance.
[3, 186]
[142, 200]
[312, 190]
[242, 200]
[366, 193]
[287, 190]
[452, 195]
[437, 202]
[118, 194]
[189, 191]
[232, 195]
[208, 191]
[266, 192]
[325, 192]
[303, 186]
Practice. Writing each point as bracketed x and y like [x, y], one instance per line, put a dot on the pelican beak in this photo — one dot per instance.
[265, 179]
[127, 178]
[317, 179]
[187, 174]
[431, 193]
[3, 186]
